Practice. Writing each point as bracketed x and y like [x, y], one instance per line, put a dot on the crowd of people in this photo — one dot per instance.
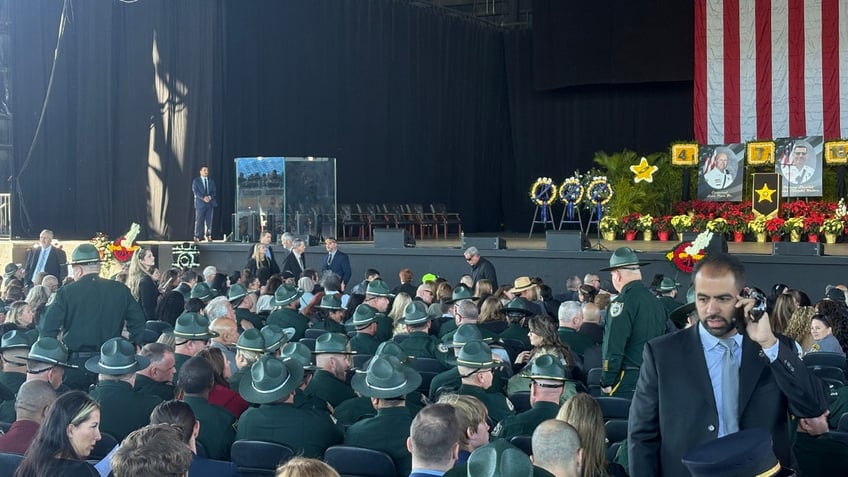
[445, 376]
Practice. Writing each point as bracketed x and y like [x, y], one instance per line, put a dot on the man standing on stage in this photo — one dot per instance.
[46, 258]
[336, 261]
[204, 191]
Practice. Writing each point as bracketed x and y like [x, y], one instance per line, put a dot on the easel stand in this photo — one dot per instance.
[578, 221]
[595, 218]
[542, 215]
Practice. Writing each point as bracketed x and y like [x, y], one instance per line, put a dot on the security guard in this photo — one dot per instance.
[386, 382]
[633, 318]
[476, 370]
[365, 322]
[272, 385]
[332, 355]
[122, 410]
[287, 301]
[88, 312]
[547, 382]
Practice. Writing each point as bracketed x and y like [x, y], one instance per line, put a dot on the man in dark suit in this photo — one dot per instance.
[205, 201]
[433, 440]
[709, 380]
[295, 262]
[336, 261]
[46, 258]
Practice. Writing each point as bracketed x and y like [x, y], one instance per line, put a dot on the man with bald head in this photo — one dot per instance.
[34, 397]
[556, 448]
[227, 337]
[591, 324]
[44, 257]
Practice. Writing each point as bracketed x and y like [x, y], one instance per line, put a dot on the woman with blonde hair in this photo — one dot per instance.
[798, 327]
[584, 414]
[258, 264]
[37, 298]
[444, 291]
[483, 288]
[491, 316]
[18, 317]
[140, 281]
[305, 467]
[396, 313]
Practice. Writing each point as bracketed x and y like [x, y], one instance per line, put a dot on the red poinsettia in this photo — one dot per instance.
[629, 221]
[774, 225]
[813, 222]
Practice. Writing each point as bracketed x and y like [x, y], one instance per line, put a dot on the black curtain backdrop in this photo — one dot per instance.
[416, 104]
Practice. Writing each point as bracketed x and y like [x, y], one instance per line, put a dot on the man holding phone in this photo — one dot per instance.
[709, 380]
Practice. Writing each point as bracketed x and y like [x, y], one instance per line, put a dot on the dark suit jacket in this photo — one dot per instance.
[275, 267]
[673, 409]
[340, 265]
[290, 264]
[54, 265]
[199, 194]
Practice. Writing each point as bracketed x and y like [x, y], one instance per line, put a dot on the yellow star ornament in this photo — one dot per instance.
[765, 194]
[643, 171]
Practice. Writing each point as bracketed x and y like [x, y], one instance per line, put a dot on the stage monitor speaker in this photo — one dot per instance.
[566, 240]
[393, 238]
[483, 243]
[803, 249]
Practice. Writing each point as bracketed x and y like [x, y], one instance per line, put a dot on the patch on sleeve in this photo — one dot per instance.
[509, 404]
[606, 365]
[497, 431]
[616, 308]
[443, 348]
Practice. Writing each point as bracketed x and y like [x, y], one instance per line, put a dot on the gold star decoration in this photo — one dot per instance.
[765, 194]
[643, 171]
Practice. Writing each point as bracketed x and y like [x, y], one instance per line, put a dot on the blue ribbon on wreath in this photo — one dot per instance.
[597, 198]
[570, 197]
[542, 196]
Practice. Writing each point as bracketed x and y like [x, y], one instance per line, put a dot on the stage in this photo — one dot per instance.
[523, 256]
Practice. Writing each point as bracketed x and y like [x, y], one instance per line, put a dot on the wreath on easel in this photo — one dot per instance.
[543, 192]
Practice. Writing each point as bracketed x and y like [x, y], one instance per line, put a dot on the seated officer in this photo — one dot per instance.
[377, 296]
[460, 293]
[300, 354]
[556, 449]
[122, 410]
[332, 355]
[249, 348]
[419, 343]
[158, 378]
[516, 313]
[191, 334]
[386, 382]
[466, 313]
[449, 380]
[243, 305]
[47, 361]
[272, 385]
[547, 381]
[275, 337]
[216, 430]
[334, 317]
[14, 348]
[365, 322]
[475, 365]
[285, 315]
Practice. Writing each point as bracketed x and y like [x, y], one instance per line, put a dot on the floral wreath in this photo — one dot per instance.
[685, 255]
[543, 192]
[571, 190]
[599, 190]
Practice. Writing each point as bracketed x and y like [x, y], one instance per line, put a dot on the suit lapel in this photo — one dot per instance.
[697, 372]
[749, 374]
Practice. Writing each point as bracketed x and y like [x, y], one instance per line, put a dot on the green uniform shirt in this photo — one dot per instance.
[364, 343]
[447, 327]
[305, 431]
[670, 303]
[288, 318]
[330, 325]
[525, 423]
[385, 328]
[329, 388]
[449, 380]
[578, 343]
[179, 360]
[387, 432]
[216, 427]
[517, 332]
[12, 382]
[245, 314]
[633, 318]
[422, 345]
[499, 406]
[145, 385]
[122, 410]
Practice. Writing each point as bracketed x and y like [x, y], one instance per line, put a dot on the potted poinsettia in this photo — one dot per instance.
[663, 227]
[774, 228]
[794, 226]
[609, 226]
[629, 224]
[812, 225]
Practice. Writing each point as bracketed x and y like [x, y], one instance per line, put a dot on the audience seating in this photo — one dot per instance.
[359, 220]
[842, 426]
[314, 333]
[521, 401]
[614, 407]
[428, 368]
[447, 219]
[525, 443]
[359, 360]
[349, 218]
[258, 458]
[359, 462]
[309, 342]
[158, 326]
[9, 463]
[593, 379]
[826, 359]
[616, 430]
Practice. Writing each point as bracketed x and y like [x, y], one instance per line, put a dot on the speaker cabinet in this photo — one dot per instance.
[803, 249]
[483, 243]
[566, 240]
[393, 238]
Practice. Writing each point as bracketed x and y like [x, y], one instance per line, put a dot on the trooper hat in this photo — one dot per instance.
[667, 284]
[476, 354]
[835, 294]
[286, 294]
[679, 314]
[516, 306]
[378, 288]
[415, 313]
[331, 302]
[520, 284]
[193, 326]
[10, 270]
[275, 337]
[547, 366]
[49, 350]
[271, 379]
[18, 339]
[465, 333]
[117, 356]
[332, 343]
[299, 353]
[742, 454]
[251, 340]
[84, 253]
[386, 348]
[623, 257]
[202, 291]
[499, 459]
[236, 294]
[386, 378]
[364, 315]
[461, 292]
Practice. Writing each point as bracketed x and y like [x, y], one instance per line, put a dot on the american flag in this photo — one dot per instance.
[770, 68]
